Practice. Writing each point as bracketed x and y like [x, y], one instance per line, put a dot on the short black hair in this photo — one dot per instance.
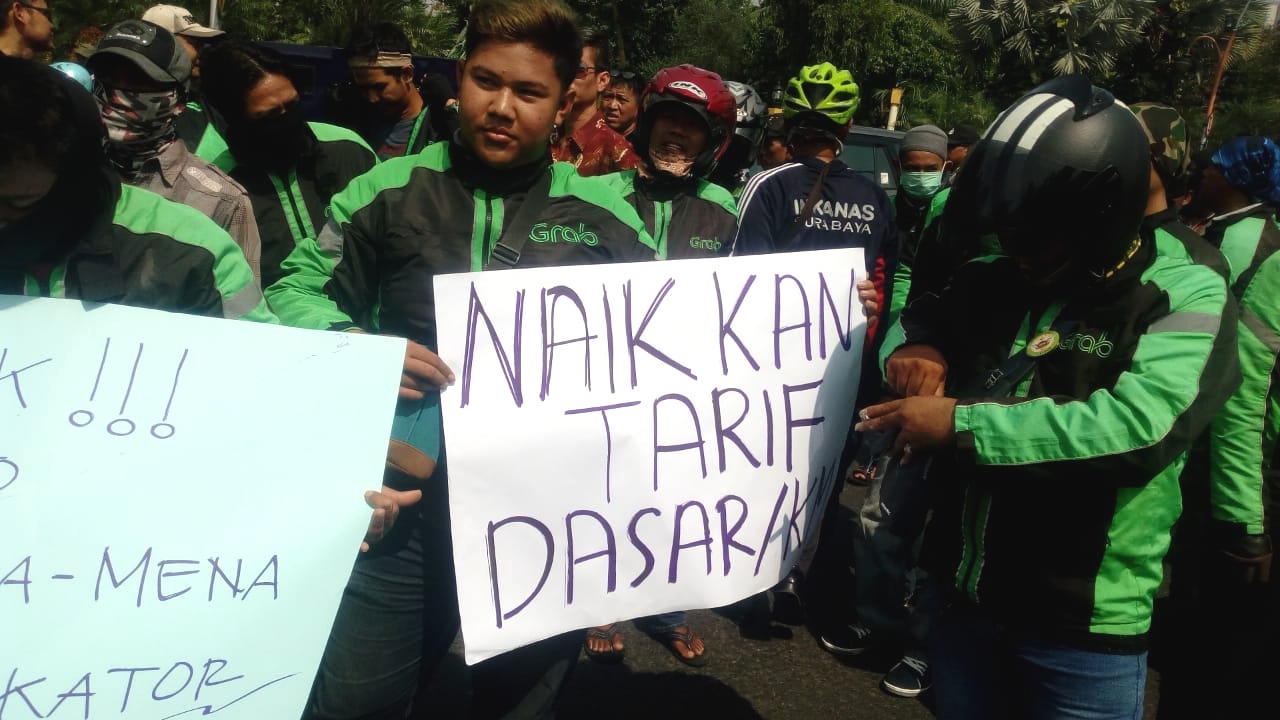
[626, 78]
[548, 25]
[370, 39]
[40, 115]
[230, 69]
[598, 40]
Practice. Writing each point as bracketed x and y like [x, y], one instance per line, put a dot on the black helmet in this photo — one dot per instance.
[1062, 172]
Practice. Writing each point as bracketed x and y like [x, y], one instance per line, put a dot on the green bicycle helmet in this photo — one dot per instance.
[824, 89]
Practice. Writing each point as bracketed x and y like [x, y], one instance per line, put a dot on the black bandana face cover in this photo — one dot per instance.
[273, 143]
[140, 125]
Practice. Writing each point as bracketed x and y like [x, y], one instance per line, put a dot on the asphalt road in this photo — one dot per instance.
[758, 670]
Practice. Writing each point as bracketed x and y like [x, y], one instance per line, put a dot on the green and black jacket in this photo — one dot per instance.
[1242, 443]
[1055, 508]
[198, 130]
[290, 208]
[912, 221]
[440, 211]
[688, 218]
[148, 252]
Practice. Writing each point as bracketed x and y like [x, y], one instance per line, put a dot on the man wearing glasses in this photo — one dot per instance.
[26, 29]
[583, 138]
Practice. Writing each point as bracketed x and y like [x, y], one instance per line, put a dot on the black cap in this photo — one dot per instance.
[963, 134]
[154, 50]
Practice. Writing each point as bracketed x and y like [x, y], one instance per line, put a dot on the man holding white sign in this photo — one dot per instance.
[693, 451]
[153, 555]
[489, 199]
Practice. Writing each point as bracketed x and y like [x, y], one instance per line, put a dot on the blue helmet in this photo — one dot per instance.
[76, 72]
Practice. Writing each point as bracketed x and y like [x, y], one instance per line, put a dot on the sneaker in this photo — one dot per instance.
[908, 678]
[848, 640]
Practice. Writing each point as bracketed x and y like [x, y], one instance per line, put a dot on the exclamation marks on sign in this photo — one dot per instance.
[122, 426]
[163, 430]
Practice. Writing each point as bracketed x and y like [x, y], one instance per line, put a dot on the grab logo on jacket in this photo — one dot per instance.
[838, 216]
[1100, 346]
[546, 233]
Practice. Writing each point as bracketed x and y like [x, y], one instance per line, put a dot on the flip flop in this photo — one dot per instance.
[609, 633]
[670, 638]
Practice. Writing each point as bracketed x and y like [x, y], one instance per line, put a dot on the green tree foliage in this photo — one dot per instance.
[712, 34]
[884, 45]
[1177, 59]
[431, 26]
[1249, 100]
[76, 15]
[1053, 36]
[956, 60]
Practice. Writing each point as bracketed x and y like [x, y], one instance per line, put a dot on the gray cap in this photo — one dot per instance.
[929, 138]
[150, 47]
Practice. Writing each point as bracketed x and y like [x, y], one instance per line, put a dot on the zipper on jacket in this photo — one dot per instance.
[661, 225]
[294, 205]
[486, 228]
[977, 509]
[56, 287]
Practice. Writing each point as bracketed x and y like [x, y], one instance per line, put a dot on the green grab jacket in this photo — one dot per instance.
[290, 207]
[1242, 441]
[1055, 507]
[686, 219]
[393, 229]
[147, 252]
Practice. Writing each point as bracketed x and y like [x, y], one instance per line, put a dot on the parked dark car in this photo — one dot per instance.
[873, 153]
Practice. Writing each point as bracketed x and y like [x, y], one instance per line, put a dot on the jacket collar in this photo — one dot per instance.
[475, 175]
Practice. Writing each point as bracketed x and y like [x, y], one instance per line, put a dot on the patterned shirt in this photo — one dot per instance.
[181, 177]
[596, 149]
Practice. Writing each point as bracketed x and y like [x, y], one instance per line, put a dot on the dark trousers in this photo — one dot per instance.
[1216, 639]
[397, 619]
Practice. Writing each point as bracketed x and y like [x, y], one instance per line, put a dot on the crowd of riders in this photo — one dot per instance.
[1066, 418]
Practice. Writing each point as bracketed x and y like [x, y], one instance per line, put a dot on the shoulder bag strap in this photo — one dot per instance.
[506, 251]
[815, 194]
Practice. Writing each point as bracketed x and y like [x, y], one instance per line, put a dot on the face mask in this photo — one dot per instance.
[921, 184]
[272, 143]
[140, 125]
[676, 164]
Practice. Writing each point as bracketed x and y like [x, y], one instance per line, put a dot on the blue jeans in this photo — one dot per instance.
[663, 623]
[984, 672]
[890, 523]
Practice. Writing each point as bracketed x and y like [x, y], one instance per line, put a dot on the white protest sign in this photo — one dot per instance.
[638, 438]
[181, 500]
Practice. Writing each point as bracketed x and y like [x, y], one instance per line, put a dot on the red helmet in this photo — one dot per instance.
[704, 92]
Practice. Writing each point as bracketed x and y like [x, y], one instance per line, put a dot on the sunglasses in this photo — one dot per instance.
[623, 75]
[46, 12]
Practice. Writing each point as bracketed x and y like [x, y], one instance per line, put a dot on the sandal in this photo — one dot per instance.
[609, 633]
[671, 637]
